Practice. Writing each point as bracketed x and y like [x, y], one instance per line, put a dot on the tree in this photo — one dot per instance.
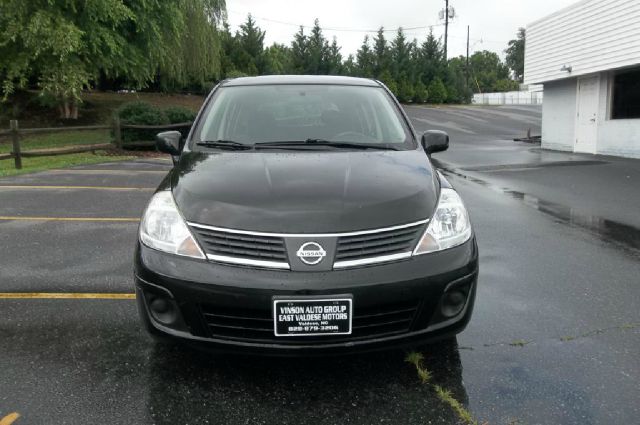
[365, 59]
[64, 46]
[299, 52]
[250, 44]
[388, 81]
[420, 93]
[486, 70]
[334, 59]
[437, 91]
[515, 55]
[277, 59]
[430, 59]
[349, 67]
[400, 54]
[380, 54]
[317, 51]
[456, 81]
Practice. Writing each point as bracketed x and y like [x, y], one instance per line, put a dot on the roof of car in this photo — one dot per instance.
[299, 79]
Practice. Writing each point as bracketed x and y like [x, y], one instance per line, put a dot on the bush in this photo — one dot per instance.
[178, 114]
[140, 113]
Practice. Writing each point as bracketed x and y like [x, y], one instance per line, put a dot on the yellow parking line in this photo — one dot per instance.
[9, 419]
[102, 219]
[13, 187]
[66, 296]
[119, 171]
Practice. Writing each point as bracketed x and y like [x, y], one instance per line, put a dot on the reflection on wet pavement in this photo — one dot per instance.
[95, 365]
[610, 231]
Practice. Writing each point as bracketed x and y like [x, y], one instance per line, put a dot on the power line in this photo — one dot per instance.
[336, 29]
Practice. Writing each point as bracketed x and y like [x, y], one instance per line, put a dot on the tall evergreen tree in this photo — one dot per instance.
[380, 54]
[365, 59]
[250, 42]
[299, 52]
[317, 51]
[334, 58]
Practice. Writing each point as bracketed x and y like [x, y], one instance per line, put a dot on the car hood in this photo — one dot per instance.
[305, 191]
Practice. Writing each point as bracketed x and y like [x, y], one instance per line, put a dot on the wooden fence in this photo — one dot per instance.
[15, 133]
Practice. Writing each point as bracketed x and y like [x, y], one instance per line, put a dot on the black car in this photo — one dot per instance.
[303, 215]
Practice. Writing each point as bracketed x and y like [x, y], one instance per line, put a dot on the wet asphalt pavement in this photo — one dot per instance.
[555, 336]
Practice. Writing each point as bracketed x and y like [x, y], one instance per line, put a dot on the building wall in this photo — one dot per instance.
[559, 115]
[590, 36]
[619, 137]
[615, 137]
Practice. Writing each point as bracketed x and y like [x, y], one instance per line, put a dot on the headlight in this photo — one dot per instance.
[164, 229]
[449, 226]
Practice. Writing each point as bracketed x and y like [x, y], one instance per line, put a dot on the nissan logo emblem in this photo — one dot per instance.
[311, 253]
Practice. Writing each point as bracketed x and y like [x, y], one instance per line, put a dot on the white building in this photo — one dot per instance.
[587, 56]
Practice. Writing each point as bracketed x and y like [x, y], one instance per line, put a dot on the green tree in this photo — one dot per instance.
[317, 51]
[250, 44]
[420, 94]
[405, 89]
[365, 59]
[515, 55]
[486, 70]
[430, 59]
[277, 59]
[334, 59]
[400, 54]
[381, 57]
[456, 81]
[64, 46]
[299, 52]
[387, 80]
[437, 91]
[349, 67]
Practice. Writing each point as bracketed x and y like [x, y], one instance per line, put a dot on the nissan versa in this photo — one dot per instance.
[303, 215]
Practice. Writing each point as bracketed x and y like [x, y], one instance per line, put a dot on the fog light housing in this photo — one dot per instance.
[163, 310]
[453, 302]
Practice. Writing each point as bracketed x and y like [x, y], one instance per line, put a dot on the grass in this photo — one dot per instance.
[31, 165]
[56, 140]
[445, 396]
[417, 360]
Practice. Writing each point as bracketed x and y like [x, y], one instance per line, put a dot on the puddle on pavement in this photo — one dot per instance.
[610, 231]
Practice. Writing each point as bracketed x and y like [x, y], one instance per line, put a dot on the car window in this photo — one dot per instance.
[273, 113]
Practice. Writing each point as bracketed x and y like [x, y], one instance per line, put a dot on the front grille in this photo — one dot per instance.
[377, 244]
[241, 246]
[257, 324]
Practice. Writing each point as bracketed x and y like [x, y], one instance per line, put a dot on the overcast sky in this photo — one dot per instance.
[493, 22]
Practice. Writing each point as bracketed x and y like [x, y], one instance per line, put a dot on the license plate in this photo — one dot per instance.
[312, 316]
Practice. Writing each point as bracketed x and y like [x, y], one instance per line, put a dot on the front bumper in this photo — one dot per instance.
[396, 304]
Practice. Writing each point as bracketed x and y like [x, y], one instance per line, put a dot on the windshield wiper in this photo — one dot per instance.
[226, 144]
[324, 142]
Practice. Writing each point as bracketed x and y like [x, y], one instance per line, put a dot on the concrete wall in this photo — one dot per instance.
[614, 137]
[590, 36]
[559, 114]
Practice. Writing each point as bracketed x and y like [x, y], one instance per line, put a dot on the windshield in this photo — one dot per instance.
[280, 113]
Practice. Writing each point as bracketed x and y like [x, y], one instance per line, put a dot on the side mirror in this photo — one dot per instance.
[169, 142]
[435, 141]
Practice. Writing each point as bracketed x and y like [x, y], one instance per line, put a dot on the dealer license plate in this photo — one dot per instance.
[312, 316]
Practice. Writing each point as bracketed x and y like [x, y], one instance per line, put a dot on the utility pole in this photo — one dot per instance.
[446, 14]
[467, 68]
[446, 28]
